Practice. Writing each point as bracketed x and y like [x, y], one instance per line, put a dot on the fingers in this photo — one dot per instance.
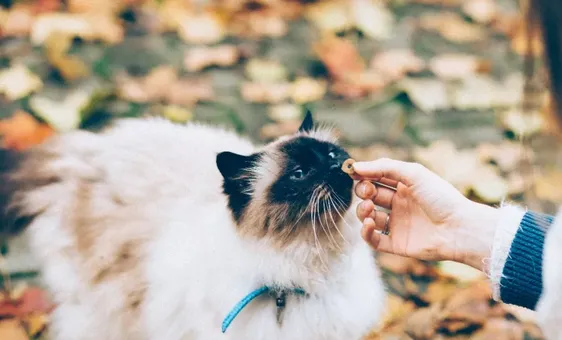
[380, 195]
[378, 241]
[390, 169]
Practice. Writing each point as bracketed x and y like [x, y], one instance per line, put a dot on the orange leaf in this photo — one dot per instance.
[22, 131]
[33, 300]
[12, 330]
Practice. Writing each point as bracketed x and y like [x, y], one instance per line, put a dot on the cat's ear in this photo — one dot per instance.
[308, 123]
[232, 165]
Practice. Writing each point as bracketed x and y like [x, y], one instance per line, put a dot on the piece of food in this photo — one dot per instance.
[347, 166]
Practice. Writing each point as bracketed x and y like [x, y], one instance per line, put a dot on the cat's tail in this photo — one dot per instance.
[20, 173]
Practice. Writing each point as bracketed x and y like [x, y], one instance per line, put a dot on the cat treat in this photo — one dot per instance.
[347, 166]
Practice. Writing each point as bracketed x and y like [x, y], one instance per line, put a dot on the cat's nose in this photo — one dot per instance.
[336, 162]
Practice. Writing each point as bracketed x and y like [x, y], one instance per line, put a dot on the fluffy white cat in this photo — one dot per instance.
[153, 230]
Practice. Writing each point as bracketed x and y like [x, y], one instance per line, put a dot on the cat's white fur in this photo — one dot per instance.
[156, 183]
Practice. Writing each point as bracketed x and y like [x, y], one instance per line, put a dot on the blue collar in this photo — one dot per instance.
[280, 301]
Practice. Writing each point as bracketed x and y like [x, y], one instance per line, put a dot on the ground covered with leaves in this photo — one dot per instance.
[434, 81]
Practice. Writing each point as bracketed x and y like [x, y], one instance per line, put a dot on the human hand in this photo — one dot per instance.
[429, 218]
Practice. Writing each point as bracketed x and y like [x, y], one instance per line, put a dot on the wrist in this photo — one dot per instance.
[475, 235]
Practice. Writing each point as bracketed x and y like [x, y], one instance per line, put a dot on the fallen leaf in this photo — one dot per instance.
[464, 169]
[162, 84]
[340, 57]
[33, 300]
[452, 27]
[396, 309]
[89, 27]
[439, 291]
[330, 16]
[358, 85]
[276, 130]
[285, 112]
[507, 155]
[265, 71]
[395, 64]
[21, 131]
[373, 18]
[18, 81]
[70, 68]
[518, 183]
[36, 323]
[427, 94]
[455, 66]
[421, 324]
[548, 186]
[404, 265]
[202, 28]
[17, 21]
[12, 329]
[177, 113]
[188, 92]
[265, 92]
[483, 92]
[306, 90]
[481, 11]
[266, 22]
[459, 271]
[522, 124]
[488, 185]
[503, 329]
[199, 58]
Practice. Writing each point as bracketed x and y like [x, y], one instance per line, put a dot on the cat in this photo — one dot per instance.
[156, 230]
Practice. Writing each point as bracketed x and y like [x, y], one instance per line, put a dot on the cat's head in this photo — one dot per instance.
[293, 188]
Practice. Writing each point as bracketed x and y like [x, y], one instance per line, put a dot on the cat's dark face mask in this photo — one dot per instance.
[309, 188]
[312, 179]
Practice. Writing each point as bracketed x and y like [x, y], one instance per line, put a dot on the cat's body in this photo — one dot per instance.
[137, 241]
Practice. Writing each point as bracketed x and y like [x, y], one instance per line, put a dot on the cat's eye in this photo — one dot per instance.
[297, 174]
[332, 154]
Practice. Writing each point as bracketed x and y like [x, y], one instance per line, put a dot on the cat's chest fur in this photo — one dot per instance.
[137, 242]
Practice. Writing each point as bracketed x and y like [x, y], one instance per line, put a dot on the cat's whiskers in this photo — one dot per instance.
[333, 204]
[327, 210]
[318, 244]
[341, 205]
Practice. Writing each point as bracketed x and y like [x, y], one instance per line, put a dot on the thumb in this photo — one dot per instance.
[405, 172]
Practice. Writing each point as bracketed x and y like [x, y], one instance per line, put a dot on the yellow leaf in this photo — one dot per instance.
[36, 323]
[17, 82]
[177, 113]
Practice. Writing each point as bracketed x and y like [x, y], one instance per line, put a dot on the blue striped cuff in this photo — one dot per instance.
[521, 282]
